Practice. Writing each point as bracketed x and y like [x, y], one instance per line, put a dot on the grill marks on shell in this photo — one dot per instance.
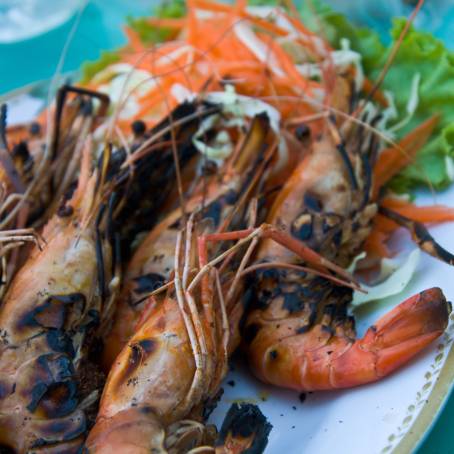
[155, 173]
[54, 393]
[215, 209]
[312, 300]
[69, 428]
[149, 282]
[139, 352]
[52, 313]
[332, 235]
[50, 384]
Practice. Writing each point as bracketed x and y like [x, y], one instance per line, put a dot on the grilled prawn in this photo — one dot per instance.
[172, 366]
[34, 173]
[58, 298]
[61, 299]
[299, 334]
[217, 202]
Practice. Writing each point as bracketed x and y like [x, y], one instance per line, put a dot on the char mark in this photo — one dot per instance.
[246, 421]
[52, 314]
[348, 164]
[149, 282]
[55, 391]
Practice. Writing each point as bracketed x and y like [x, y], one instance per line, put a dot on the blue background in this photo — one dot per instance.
[101, 28]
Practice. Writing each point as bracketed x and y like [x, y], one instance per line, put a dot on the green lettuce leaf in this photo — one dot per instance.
[90, 68]
[150, 34]
[421, 53]
[424, 54]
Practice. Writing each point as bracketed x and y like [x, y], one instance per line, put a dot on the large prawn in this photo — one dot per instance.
[217, 200]
[169, 373]
[53, 303]
[299, 334]
[59, 300]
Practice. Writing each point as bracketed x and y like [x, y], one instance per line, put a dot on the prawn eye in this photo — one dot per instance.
[302, 132]
[138, 128]
[35, 129]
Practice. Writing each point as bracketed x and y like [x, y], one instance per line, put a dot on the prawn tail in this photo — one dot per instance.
[245, 429]
[396, 338]
[135, 430]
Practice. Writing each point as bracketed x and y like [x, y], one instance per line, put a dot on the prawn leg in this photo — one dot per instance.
[267, 231]
[60, 103]
[420, 235]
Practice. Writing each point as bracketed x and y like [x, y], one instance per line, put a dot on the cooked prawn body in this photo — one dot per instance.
[55, 301]
[152, 264]
[299, 334]
[147, 386]
[170, 368]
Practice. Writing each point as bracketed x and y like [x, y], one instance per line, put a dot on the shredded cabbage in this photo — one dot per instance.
[235, 109]
[399, 276]
[124, 83]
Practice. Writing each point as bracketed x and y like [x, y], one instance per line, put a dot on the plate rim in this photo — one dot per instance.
[436, 402]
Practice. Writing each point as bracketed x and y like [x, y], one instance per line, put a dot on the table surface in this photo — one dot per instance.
[100, 28]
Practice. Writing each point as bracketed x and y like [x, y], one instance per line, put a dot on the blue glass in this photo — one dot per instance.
[36, 59]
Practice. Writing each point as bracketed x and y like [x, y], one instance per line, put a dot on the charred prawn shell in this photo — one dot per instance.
[244, 426]
[154, 174]
[60, 301]
[41, 170]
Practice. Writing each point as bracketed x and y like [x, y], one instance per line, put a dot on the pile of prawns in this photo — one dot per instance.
[117, 280]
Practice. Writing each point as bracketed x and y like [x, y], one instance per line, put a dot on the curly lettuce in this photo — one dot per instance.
[420, 53]
[91, 68]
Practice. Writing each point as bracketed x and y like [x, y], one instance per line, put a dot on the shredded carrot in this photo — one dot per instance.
[392, 160]
[209, 5]
[134, 40]
[220, 53]
[383, 227]
[426, 214]
[375, 244]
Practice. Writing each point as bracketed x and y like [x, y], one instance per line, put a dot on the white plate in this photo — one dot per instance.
[391, 415]
[388, 416]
